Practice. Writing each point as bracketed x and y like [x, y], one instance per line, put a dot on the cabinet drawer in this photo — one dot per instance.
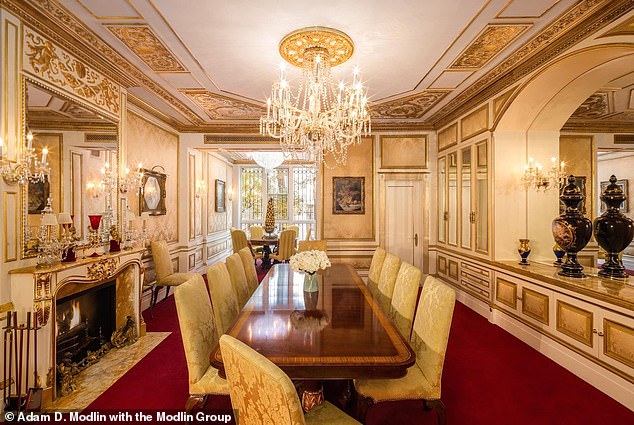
[475, 270]
[474, 280]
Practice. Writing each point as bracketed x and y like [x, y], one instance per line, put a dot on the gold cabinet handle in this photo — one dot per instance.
[600, 333]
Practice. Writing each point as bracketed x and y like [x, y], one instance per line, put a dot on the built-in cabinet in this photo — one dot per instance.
[467, 275]
[463, 197]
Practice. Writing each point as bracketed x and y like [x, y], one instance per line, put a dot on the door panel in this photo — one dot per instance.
[403, 204]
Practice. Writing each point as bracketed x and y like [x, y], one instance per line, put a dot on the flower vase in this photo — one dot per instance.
[310, 282]
[524, 250]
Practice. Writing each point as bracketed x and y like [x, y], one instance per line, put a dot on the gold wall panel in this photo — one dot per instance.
[535, 305]
[217, 170]
[350, 226]
[403, 151]
[11, 132]
[147, 46]
[575, 322]
[506, 292]
[153, 146]
[578, 154]
[448, 137]
[618, 342]
[223, 108]
[442, 265]
[409, 107]
[475, 123]
[11, 205]
[42, 58]
[453, 269]
[499, 103]
[191, 260]
[488, 44]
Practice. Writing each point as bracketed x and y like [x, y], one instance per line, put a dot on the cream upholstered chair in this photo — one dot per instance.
[293, 227]
[316, 245]
[249, 269]
[223, 296]
[387, 279]
[165, 275]
[261, 393]
[375, 270]
[238, 279]
[429, 341]
[256, 232]
[404, 298]
[285, 246]
[199, 334]
[238, 240]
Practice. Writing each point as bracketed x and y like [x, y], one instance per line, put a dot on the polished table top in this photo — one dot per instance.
[339, 332]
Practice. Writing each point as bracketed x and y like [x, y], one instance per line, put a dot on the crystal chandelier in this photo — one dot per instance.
[29, 168]
[534, 177]
[321, 119]
[268, 160]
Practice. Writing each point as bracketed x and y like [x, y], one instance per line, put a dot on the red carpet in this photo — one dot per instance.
[489, 377]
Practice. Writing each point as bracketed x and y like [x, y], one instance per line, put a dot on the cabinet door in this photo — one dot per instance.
[575, 323]
[481, 215]
[452, 201]
[442, 199]
[616, 343]
[466, 214]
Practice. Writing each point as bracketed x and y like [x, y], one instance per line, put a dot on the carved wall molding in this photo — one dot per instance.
[102, 269]
[41, 57]
[410, 107]
[42, 297]
[223, 108]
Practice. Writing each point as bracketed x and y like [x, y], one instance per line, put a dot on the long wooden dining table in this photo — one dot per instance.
[338, 332]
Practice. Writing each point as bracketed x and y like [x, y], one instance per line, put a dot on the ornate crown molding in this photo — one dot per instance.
[410, 107]
[220, 107]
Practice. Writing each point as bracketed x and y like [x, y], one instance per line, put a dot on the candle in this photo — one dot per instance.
[29, 140]
[44, 154]
[1, 148]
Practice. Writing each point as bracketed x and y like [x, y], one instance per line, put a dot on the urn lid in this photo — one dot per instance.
[613, 195]
[571, 195]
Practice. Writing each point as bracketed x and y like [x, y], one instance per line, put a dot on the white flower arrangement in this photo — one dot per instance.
[309, 261]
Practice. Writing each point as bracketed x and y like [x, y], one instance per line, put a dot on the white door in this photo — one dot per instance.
[403, 206]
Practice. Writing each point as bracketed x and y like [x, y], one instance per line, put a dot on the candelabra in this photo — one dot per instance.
[130, 180]
[50, 248]
[535, 178]
[28, 168]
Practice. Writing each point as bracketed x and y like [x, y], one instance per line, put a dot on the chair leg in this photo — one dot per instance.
[167, 292]
[195, 401]
[439, 406]
[153, 301]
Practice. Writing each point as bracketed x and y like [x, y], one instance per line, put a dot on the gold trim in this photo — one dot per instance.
[442, 264]
[139, 16]
[610, 324]
[16, 226]
[191, 159]
[6, 85]
[453, 269]
[409, 107]
[499, 14]
[405, 136]
[513, 286]
[336, 45]
[481, 130]
[219, 107]
[545, 299]
[588, 317]
[82, 207]
[451, 132]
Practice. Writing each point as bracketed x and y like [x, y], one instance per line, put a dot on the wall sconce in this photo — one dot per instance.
[131, 180]
[201, 185]
[94, 190]
[534, 177]
[27, 168]
[230, 194]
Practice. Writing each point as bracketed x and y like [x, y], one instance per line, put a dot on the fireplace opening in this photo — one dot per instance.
[85, 321]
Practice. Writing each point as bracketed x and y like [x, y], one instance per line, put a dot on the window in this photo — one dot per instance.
[292, 190]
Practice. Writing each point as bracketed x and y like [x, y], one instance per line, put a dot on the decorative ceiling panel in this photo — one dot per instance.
[526, 9]
[147, 46]
[111, 9]
[450, 79]
[223, 108]
[410, 107]
[487, 45]
[598, 105]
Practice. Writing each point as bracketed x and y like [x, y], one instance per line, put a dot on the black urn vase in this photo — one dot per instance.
[613, 230]
[572, 230]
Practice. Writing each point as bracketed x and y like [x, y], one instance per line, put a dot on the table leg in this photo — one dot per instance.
[313, 395]
[266, 250]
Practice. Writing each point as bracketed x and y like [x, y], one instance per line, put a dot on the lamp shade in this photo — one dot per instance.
[64, 218]
[49, 220]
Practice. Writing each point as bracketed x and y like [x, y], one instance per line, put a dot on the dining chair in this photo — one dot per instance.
[165, 276]
[249, 269]
[199, 335]
[223, 296]
[316, 245]
[375, 270]
[429, 342]
[295, 228]
[238, 240]
[387, 279]
[404, 298]
[238, 279]
[256, 232]
[261, 393]
[285, 246]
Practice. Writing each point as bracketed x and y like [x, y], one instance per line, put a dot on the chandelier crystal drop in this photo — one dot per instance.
[321, 119]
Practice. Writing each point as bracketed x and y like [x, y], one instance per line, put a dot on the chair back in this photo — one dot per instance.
[375, 270]
[295, 228]
[238, 278]
[249, 268]
[404, 298]
[223, 296]
[431, 330]
[162, 260]
[316, 245]
[256, 232]
[286, 245]
[196, 321]
[238, 240]
[309, 232]
[387, 279]
[261, 393]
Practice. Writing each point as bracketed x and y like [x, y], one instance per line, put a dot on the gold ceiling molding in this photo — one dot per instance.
[488, 44]
[580, 21]
[598, 105]
[112, 17]
[147, 46]
[624, 28]
[294, 45]
[70, 32]
[221, 107]
[43, 58]
[410, 107]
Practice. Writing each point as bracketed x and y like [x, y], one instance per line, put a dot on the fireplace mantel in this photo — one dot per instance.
[36, 289]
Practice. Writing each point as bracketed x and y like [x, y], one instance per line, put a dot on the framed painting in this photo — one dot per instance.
[220, 196]
[38, 196]
[152, 194]
[580, 181]
[625, 207]
[348, 195]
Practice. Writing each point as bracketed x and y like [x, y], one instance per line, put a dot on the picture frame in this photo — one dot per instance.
[220, 196]
[623, 184]
[38, 194]
[348, 195]
[153, 194]
[580, 181]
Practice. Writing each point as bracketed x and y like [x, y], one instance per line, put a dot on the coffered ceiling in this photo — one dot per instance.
[214, 61]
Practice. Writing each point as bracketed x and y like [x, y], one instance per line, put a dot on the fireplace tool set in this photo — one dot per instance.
[16, 365]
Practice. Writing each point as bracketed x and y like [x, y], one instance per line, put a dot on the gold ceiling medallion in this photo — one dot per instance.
[336, 45]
